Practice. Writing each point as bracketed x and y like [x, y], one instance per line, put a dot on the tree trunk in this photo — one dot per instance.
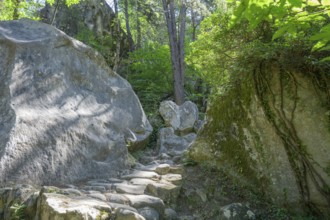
[128, 28]
[117, 55]
[193, 24]
[138, 24]
[176, 47]
[16, 8]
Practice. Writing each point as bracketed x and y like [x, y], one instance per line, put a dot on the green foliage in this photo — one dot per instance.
[67, 2]
[105, 44]
[236, 41]
[151, 74]
[25, 9]
[291, 19]
[151, 78]
[17, 211]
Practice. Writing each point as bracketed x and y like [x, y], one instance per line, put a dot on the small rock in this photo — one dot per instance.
[107, 186]
[164, 190]
[149, 213]
[98, 196]
[130, 189]
[57, 206]
[142, 174]
[124, 214]
[96, 188]
[158, 168]
[170, 214]
[116, 198]
[172, 144]
[116, 206]
[140, 181]
[140, 201]
[176, 169]
[173, 178]
[236, 211]
[181, 118]
[115, 180]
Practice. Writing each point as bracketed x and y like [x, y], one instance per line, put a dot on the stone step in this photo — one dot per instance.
[141, 194]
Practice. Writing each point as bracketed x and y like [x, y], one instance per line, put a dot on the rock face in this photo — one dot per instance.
[272, 132]
[64, 115]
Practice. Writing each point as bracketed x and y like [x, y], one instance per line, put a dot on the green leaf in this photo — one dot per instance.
[295, 3]
[326, 2]
[325, 59]
[280, 32]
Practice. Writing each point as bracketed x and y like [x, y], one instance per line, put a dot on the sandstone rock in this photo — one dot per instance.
[64, 115]
[149, 213]
[172, 144]
[236, 211]
[180, 118]
[54, 206]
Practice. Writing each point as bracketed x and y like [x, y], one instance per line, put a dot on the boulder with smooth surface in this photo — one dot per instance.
[64, 114]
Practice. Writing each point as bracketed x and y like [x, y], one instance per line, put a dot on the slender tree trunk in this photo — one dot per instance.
[182, 34]
[16, 8]
[117, 55]
[55, 12]
[176, 47]
[193, 24]
[138, 24]
[128, 28]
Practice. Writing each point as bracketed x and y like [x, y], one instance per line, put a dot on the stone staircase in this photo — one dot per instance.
[145, 192]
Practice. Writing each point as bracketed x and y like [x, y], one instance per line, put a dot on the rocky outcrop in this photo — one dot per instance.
[270, 130]
[93, 22]
[175, 139]
[64, 115]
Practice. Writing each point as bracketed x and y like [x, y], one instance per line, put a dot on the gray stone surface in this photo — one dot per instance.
[180, 118]
[64, 115]
[149, 213]
[140, 201]
[54, 206]
[124, 214]
[170, 214]
[172, 144]
[127, 199]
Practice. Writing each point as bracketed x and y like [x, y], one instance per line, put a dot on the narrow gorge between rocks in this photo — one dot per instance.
[77, 144]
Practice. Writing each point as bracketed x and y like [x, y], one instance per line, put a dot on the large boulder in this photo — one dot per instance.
[271, 131]
[64, 114]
